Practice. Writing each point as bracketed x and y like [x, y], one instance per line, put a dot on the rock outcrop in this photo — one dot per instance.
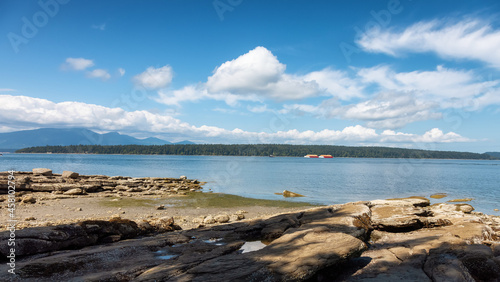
[383, 240]
[71, 183]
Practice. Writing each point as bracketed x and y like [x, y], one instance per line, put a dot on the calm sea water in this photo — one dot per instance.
[325, 181]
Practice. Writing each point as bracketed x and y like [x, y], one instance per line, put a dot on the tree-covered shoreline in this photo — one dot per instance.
[278, 150]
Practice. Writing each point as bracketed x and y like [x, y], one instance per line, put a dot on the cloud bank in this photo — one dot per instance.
[33, 112]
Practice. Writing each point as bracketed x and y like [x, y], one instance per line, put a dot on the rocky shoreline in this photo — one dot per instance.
[385, 240]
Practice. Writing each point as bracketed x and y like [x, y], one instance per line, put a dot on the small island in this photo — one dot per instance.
[263, 150]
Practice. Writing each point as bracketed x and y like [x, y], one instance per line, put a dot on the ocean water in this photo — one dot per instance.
[325, 181]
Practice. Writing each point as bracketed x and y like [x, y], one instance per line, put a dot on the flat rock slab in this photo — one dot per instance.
[42, 171]
[306, 242]
[409, 241]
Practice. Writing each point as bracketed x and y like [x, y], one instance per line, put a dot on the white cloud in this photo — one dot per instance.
[444, 86]
[22, 111]
[77, 64]
[155, 78]
[7, 90]
[99, 73]
[193, 93]
[121, 71]
[337, 83]
[258, 76]
[259, 72]
[469, 39]
[390, 110]
[258, 109]
[434, 135]
[385, 111]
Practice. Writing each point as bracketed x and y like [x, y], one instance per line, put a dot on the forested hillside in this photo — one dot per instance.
[258, 150]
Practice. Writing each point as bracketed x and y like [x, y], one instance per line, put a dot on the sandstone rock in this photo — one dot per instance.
[42, 171]
[411, 201]
[183, 177]
[75, 191]
[134, 190]
[28, 199]
[209, 220]
[162, 224]
[144, 226]
[295, 256]
[23, 179]
[160, 207]
[222, 218]
[287, 194]
[464, 208]
[236, 217]
[70, 174]
[396, 218]
[121, 188]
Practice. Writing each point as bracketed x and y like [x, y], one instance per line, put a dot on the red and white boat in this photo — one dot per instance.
[326, 157]
[311, 156]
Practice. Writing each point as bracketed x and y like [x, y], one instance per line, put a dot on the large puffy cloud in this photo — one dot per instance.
[259, 72]
[25, 112]
[258, 75]
[155, 78]
[469, 39]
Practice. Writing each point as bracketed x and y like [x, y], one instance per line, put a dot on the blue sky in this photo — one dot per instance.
[417, 74]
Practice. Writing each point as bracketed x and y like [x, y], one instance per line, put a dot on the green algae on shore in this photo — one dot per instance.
[203, 200]
[439, 195]
[460, 200]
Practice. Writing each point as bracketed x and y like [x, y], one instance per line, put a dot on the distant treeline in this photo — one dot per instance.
[257, 150]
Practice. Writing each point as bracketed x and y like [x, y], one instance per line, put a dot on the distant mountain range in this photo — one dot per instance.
[72, 136]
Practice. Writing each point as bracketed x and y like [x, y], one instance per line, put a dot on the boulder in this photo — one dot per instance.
[465, 208]
[70, 174]
[75, 191]
[28, 199]
[209, 220]
[396, 218]
[162, 224]
[287, 194]
[222, 218]
[42, 171]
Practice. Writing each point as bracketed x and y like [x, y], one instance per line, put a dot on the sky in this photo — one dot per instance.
[398, 73]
